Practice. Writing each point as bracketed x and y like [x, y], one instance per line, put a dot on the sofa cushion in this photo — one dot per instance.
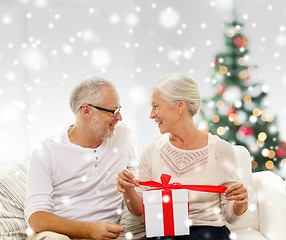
[134, 226]
[12, 197]
[247, 234]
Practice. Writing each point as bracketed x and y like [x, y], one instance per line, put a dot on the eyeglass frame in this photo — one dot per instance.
[114, 112]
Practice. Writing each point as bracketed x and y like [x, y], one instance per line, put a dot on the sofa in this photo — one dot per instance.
[264, 219]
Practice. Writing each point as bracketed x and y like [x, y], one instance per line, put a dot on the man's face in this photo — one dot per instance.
[102, 122]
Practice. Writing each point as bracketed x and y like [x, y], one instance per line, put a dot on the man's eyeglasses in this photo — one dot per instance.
[114, 112]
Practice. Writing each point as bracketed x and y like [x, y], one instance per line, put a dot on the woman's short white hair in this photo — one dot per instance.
[88, 92]
[175, 87]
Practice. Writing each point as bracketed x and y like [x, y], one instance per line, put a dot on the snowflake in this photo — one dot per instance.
[29, 231]
[166, 199]
[128, 235]
[100, 58]
[67, 49]
[138, 95]
[169, 18]
[119, 211]
[7, 20]
[189, 222]
[114, 19]
[41, 3]
[252, 207]
[132, 20]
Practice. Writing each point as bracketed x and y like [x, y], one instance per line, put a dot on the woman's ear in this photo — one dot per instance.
[181, 104]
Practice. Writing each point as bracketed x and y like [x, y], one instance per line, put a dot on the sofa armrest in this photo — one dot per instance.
[271, 195]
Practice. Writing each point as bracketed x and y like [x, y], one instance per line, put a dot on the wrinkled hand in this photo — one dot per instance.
[238, 193]
[126, 180]
[105, 230]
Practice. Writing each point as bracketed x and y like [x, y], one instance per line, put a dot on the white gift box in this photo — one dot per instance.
[166, 215]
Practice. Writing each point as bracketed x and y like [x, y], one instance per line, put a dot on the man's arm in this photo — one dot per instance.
[43, 221]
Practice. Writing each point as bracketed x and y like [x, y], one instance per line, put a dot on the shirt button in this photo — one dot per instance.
[94, 151]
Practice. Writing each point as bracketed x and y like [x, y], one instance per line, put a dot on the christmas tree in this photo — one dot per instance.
[237, 111]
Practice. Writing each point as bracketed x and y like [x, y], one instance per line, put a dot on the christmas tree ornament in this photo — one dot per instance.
[246, 130]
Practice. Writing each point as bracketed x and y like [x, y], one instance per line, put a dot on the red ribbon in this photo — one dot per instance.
[168, 214]
[165, 179]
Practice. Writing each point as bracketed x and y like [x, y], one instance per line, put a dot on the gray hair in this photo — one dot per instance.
[175, 87]
[88, 91]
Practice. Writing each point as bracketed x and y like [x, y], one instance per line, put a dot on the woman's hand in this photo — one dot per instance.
[238, 193]
[126, 180]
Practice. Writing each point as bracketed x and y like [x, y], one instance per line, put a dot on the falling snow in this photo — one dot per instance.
[44, 56]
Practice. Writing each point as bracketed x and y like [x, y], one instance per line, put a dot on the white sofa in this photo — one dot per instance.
[266, 215]
[265, 218]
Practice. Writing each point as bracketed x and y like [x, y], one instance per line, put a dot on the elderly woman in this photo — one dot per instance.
[190, 156]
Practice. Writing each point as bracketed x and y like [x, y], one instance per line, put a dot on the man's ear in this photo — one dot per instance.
[85, 111]
[181, 104]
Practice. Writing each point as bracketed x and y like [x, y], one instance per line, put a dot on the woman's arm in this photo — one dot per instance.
[238, 193]
[126, 184]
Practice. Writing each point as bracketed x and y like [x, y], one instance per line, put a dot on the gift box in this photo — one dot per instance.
[166, 212]
[166, 206]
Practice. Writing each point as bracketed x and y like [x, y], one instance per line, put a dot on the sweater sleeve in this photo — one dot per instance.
[227, 165]
[145, 167]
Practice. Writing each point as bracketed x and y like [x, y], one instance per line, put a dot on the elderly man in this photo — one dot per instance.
[71, 186]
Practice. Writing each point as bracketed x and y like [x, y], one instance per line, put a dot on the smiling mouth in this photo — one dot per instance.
[113, 124]
[159, 122]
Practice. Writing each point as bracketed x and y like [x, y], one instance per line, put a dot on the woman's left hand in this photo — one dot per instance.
[238, 193]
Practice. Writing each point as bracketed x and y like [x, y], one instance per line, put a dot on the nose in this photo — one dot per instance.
[152, 114]
[118, 116]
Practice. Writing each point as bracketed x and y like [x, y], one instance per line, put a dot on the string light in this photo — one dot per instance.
[223, 69]
[265, 117]
[241, 61]
[271, 154]
[237, 123]
[269, 164]
[247, 99]
[215, 118]
[256, 112]
[232, 117]
[230, 33]
[251, 68]
[265, 152]
[253, 147]
[243, 75]
[221, 130]
[237, 28]
[254, 164]
[259, 143]
[262, 136]
[219, 104]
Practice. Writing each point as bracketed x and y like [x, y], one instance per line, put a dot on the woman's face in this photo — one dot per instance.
[164, 113]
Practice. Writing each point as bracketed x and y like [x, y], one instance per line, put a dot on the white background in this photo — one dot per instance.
[47, 47]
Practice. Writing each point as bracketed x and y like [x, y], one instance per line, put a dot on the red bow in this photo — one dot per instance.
[168, 216]
[165, 179]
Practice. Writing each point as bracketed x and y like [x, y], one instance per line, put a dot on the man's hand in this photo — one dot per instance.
[43, 221]
[126, 180]
[105, 230]
[238, 193]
